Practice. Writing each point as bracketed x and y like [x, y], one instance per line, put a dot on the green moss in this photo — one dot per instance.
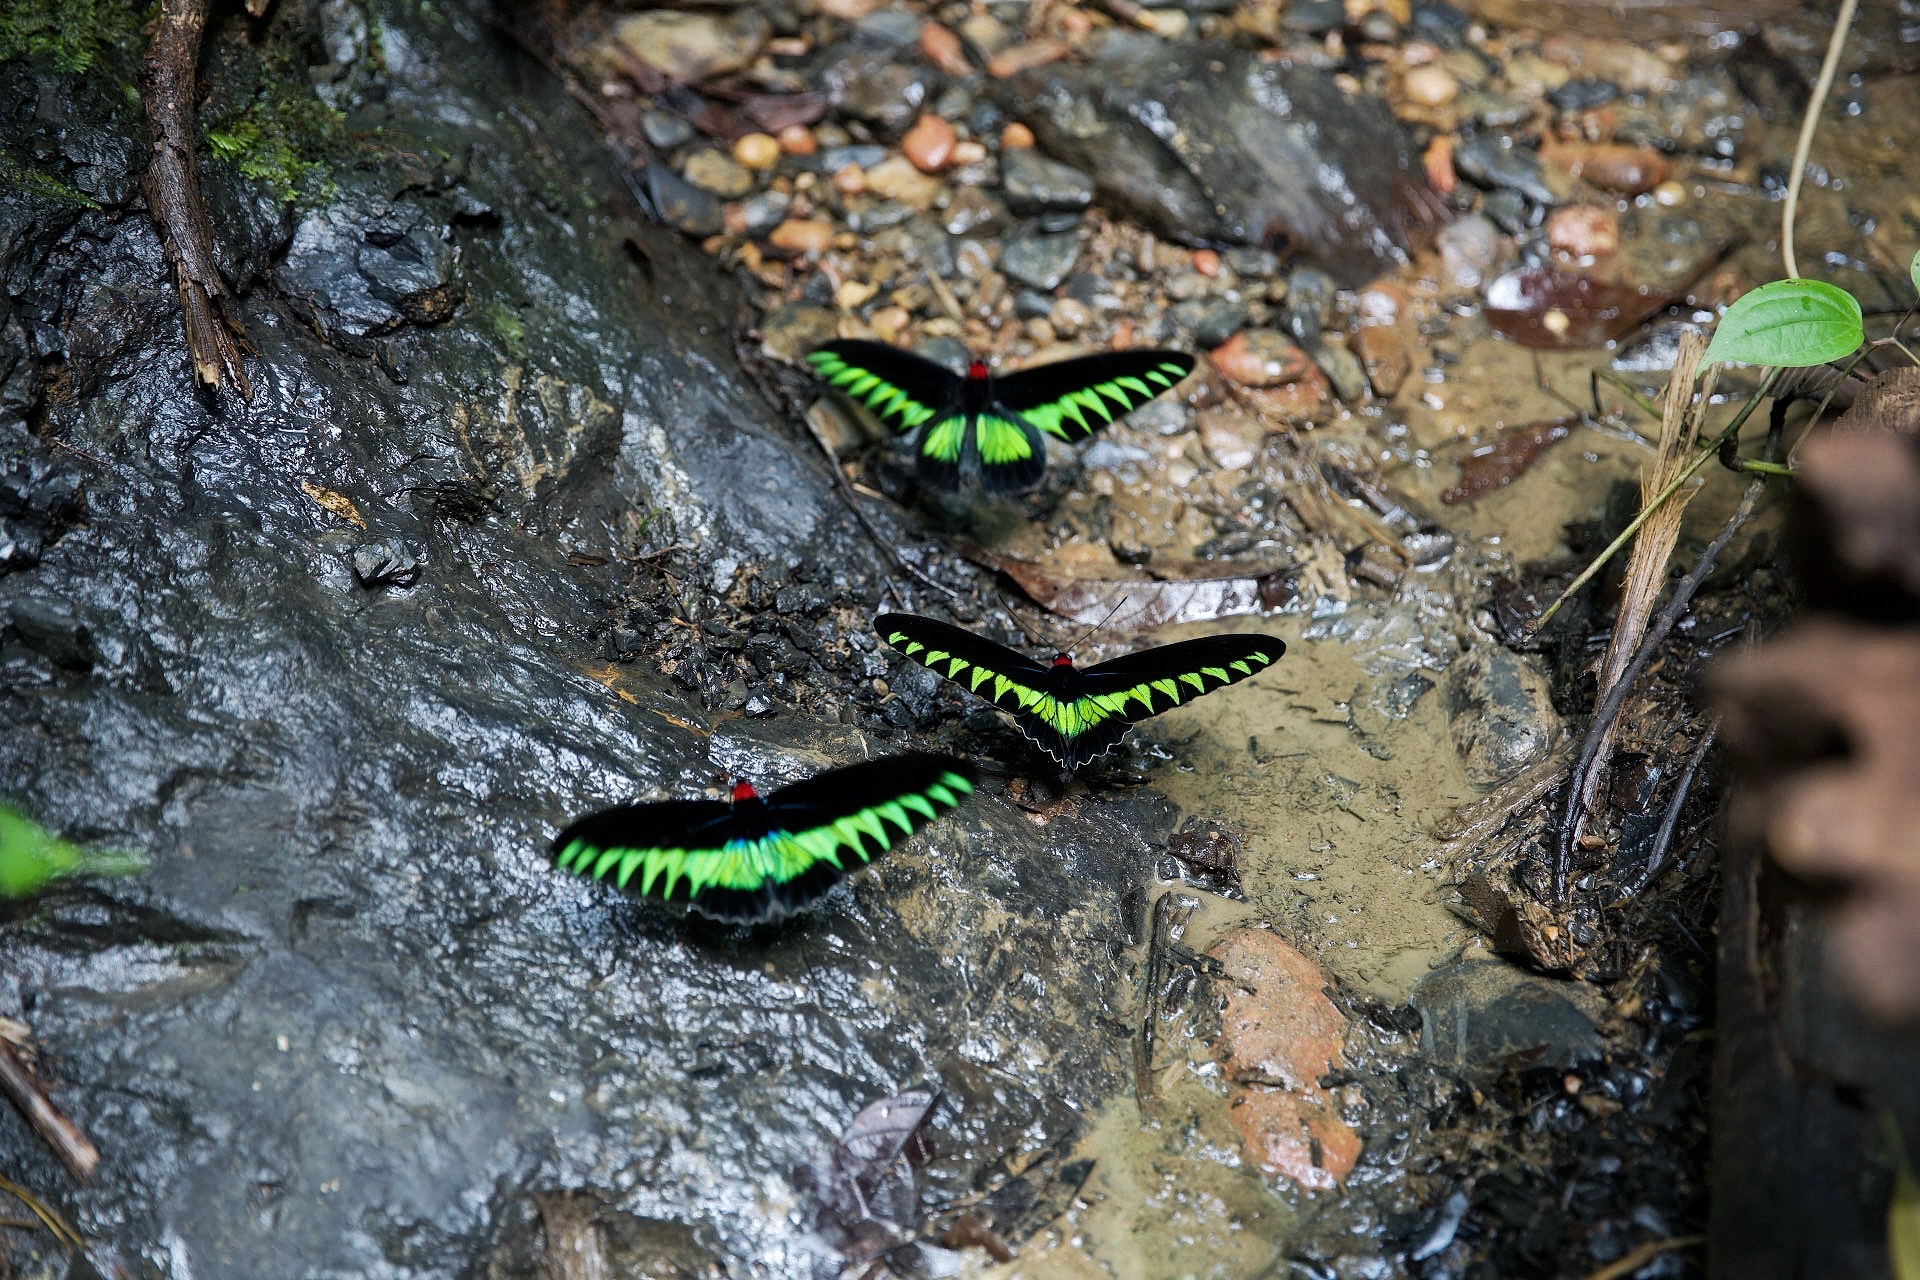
[69, 34]
[281, 139]
[505, 323]
[38, 182]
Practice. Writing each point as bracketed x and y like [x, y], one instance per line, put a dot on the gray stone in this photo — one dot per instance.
[362, 266]
[691, 47]
[1206, 143]
[52, 629]
[389, 562]
[1483, 1014]
[1039, 259]
[1499, 711]
[1343, 370]
[1211, 321]
[1495, 160]
[886, 93]
[1035, 184]
[681, 205]
[665, 130]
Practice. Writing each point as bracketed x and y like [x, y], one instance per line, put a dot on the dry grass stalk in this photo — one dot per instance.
[1653, 545]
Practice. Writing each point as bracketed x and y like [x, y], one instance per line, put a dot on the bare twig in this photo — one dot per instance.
[1663, 838]
[172, 183]
[62, 1231]
[79, 1155]
[1586, 765]
[1622, 1267]
[1804, 147]
[1707, 451]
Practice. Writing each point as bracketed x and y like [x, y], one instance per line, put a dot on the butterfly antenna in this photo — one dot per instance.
[1096, 626]
[1020, 622]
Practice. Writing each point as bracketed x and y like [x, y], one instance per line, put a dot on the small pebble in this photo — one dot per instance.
[802, 235]
[929, 144]
[1260, 358]
[1669, 193]
[850, 180]
[798, 140]
[711, 171]
[1584, 230]
[890, 323]
[968, 152]
[757, 151]
[1437, 161]
[1206, 262]
[853, 294]
[1016, 137]
[1430, 86]
[1069, 316]
[942, 48]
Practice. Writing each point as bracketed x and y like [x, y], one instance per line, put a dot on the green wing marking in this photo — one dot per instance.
[902, 389]
[764, 860]
[1074, 398]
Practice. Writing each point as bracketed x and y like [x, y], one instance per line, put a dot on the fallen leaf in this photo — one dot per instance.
[1552, 309]
[1501, 461]
[1175, 591]
[337, 503]
[866, 1199]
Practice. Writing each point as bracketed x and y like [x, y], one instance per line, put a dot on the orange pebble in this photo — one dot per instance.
[1206, 262]
[1016, 137]
[798, 140]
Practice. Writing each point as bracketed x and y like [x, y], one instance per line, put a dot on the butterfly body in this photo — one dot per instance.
[994, 427]
[750, 858]
[1077, 714]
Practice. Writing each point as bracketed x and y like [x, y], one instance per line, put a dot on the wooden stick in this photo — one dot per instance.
[79, 1155]
[172, 184]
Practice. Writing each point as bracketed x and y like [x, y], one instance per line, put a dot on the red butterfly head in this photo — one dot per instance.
[744, 791]
[977, 371]
[1061, 660]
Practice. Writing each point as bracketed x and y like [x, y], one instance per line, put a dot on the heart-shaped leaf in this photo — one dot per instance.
[1789, 323]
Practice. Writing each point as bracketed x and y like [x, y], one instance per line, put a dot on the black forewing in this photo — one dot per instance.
[993, 671]
[693, 825]
[903, 390]
[1146, 683]
[1071, 399]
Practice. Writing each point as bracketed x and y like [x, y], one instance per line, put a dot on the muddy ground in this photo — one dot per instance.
[530, 512]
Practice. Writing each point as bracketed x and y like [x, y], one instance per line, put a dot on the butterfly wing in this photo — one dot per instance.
[745, 865]
[674, 847]
[1154, 680]
[1071, 399]
[1012, 454]
[1008, 679]
[1015, 683]
[903, 390]
[858, 812]
[1088, 714]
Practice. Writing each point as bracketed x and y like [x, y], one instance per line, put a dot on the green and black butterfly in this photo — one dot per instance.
[1077, 715]
[994, 424]
[752, 859]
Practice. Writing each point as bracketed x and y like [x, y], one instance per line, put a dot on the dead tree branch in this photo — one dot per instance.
[172, 183]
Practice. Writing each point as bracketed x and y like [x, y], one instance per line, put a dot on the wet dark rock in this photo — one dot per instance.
[1315, 17]
[681, 205]
[1039, 259]
[885, 93]
[1490, 109]
[1509, 211]
[973, 212]
[1031, 304]
[49, 627]
[363, 266]
[349, 1021]
[1211, 321]
[1496, 161]
[1442, 24]
[1206, 143]
[665, 130]
[1584, 94]
[39, 497]
[1499, 711]
[890, 29]
[1479, 1014]
[861, 155]
[1343, 370]
[1309, 304]
[389, 562]
[1035, 184]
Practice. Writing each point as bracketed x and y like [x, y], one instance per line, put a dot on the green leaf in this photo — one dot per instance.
[31, 856]
[1903, 1213]
[1789, 323]
[1913, 272]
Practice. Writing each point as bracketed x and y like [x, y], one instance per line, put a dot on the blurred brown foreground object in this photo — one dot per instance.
[1819, 1037]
